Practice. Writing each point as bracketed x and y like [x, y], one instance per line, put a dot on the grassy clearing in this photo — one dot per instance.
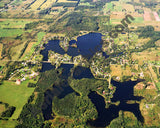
[85, 4]
[47, 4]
[31, 46]
[158, 85]
[128, 7]
[16, 51]
[150, 55]
[66, 1]
[36, 4]
[12, 23]
[40, 36]
[117, 7]
[28, 52]
[10, 32]
[1, 48]
[2, 108]
[118, 71]
[15, 95]
[138, 20]
[7, 124]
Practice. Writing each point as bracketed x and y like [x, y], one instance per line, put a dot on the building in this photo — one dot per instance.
[18, 81]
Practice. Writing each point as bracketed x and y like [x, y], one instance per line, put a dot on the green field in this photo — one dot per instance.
[13, 23]
[138, 20]
[40, 36]
[158, 85]
[117, 7]
[10, 32]
[7, 124]
[15, 95]
[110, 6]
[31, 46]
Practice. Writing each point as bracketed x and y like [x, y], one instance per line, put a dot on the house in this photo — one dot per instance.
[18, 81]
[141, 74]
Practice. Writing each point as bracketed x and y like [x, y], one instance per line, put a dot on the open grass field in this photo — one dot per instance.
[150, 55]
[12, 23]
[158, 85]
[15, 95]
[47, 4]
[1, 48]
[2, 108]
[16, 51]
[40, 36]
[7, 123]
[147, 16]
[138, 20]
[10, 32]
[36, 4]
[108, 6]
[31, 46]
[116, 70]
[128, 7]
[84, 4]
[28, 51]
[118, 6]
[66, 1]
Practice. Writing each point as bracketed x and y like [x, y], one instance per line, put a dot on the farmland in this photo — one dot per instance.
[8, 123]
[47, 4]
[29, 50]
[13, 23]
[15, 95]
[150, 55]
[10, 32]
[1, 48]
[36, 5]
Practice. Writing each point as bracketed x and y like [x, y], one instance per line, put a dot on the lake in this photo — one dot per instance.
[87, 46]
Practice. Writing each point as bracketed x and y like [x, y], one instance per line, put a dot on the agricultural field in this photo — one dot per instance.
[116, 70]
[148, 106]
[129, 8]
[117, 6]
[1, 48]
[47, 4]
[2, 108]
[29, 50]
[11, 32]
[150, 55]
[16, 51]
[31, 46]
[36, 5]
[158, 85]
[12, 23]
[15, 95]
[85, 4]
[67, 1]
[8, 123]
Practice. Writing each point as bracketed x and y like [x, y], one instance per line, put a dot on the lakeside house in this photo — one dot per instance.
[18, 81]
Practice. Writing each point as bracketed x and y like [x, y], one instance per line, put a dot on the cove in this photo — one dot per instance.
[124, 92]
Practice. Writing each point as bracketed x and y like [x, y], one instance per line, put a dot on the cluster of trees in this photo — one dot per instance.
[9, 110]
[76, 107]
[80, 22]
[64, 4]
[32, 115]
[145, 32]
[31, 25]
